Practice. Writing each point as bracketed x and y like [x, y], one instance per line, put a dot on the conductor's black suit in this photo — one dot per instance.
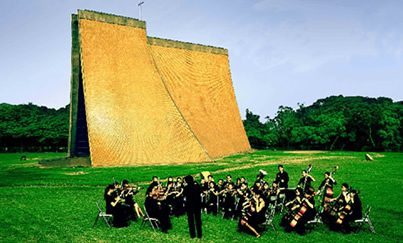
[193, 206]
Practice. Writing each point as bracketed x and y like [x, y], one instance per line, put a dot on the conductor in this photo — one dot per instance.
[193, 206]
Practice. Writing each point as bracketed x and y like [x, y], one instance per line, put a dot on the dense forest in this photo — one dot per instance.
[333, 123]
[33, 128]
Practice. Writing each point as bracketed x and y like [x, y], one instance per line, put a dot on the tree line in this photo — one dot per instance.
[333, 123]
[33, 128]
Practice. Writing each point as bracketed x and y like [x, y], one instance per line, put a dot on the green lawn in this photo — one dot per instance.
[56, 205]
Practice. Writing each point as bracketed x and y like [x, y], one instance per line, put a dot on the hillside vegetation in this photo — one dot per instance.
[334, 123]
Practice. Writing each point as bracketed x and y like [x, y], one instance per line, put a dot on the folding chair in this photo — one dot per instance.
[105, 216]
[365, 220]
[269, 219]
[317, 219]
[153, 221]
[281, 204]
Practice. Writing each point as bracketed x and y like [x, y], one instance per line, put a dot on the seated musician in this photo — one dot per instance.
[274, 192]
[157, 208]
[114, 206]
[339, 210]
[305, 181]
[154, 183]
[292, 206]
[356, 206]
[254, 214]
[266, 193]
[301, 213]
[129, 192]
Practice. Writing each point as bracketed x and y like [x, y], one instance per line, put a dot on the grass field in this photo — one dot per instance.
[58, 204]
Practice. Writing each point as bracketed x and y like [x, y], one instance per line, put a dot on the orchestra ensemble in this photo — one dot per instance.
[252, 205]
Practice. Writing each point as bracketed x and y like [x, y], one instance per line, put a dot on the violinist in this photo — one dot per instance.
[154, 183]
[305, 181]
[114, 206]
[170, 193]
[128, 194]
[157, 208]
[178, 203]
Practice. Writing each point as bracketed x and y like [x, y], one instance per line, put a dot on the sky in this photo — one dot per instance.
[281, 52]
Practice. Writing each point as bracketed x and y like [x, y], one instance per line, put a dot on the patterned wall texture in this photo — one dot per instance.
[153, 101]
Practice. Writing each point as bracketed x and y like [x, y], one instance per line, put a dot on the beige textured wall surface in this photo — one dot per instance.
[130, 115]
[201, 86]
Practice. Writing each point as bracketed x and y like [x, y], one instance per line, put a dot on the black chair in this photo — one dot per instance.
[106, 217]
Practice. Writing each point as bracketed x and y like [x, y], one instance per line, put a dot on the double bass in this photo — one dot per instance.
[329, 191]
[306, 177]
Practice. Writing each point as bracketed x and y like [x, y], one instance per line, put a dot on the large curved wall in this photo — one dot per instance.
[200, 83]
[152, 101]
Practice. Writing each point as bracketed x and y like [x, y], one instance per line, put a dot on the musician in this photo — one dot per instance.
[243, 180]
[282, 177]
[228, 181]
[356, 208]
[266, 193]
[157, 208]
[154, 183]
[254, 214]
[229, 201]
[344, 196]
[204, 187]
[237, 183]
[304, 212]
[193, 207]
[212, 199]
[260, 176]
[292, 206]
[305, 181]
[178, 205]
[114, 206]
[327, 187]
[210, 178]
[178, 181]
[256, 187]
[128, 194]
[340, 209]
[274, 192]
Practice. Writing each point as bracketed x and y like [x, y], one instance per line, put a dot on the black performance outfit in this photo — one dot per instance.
[307, 184]
[282, 179]
[193, 207]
